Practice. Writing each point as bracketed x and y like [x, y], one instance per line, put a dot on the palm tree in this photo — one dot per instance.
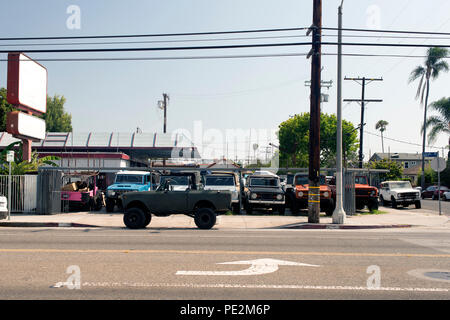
[439, 123]
[434, 65]
[381, 125]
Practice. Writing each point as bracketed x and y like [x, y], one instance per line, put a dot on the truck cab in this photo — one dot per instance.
[399, 193]
[224, 181]
[365, 195]
[126, 181]
[301, 182]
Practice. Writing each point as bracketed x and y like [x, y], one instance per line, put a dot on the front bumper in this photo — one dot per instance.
[266, 202]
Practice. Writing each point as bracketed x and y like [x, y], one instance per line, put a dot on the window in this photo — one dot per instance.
[406, 165]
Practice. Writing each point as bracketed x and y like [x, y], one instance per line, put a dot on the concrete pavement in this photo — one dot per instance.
[403, 217]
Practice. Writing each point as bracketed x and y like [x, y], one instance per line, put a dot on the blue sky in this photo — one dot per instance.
[228, 93]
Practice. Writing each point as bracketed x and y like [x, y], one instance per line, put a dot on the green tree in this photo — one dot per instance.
[395, 169]
[56, 119]
[440, 123]
[434, 66]
[294, 140]
[5, 107]
[19, 166]
[381, 125]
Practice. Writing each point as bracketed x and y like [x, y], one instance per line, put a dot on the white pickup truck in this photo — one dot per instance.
[399, 193]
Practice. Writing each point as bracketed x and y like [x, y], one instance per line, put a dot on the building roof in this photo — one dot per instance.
[398, 156]
[140, 146]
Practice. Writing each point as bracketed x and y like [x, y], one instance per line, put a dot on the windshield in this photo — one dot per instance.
[219, 181]
[303, 179]
[361, 180]
[175, 180]
[264, 182]
[128, 178]
[400, 185]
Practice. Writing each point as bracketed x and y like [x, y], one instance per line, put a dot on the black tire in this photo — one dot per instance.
[249, 208]
[282, 210]
[110, 204]
[98, 203]
[236, 208]
[373, 205]
[294, 208]
[330, 209]
[135, 218]
[393, 203]
[205, 218]
[418, 204]
[148, 219]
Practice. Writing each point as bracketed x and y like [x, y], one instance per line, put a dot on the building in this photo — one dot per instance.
[110, 150]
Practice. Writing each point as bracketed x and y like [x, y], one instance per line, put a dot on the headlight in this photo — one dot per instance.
[234, 195]
[279, 197]
[254, 196]
[110, 193]
[300, 194]
[326, 194]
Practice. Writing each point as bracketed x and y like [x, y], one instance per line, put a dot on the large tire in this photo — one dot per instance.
[110, 204]
[148, 219]
[205, 218]
[249, 208]
[393, 203]
[282, 209]
[135, 218]
[98, 203]
[236, 208]
[329, 210]
[373, 205]
[418, 204]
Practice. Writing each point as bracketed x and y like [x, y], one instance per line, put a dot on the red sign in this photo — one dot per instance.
[27, 84]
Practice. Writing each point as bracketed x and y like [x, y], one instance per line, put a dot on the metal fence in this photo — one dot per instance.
[23, 192]
[349, 192]
[49, 191]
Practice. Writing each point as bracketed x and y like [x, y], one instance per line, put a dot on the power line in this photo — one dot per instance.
[389, 31]
[402, 141]
[153, 35]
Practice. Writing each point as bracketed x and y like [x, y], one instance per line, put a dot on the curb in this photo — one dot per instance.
[348, 227]
[46, 225]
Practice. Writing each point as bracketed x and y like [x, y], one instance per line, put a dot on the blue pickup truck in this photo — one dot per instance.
[127, 181]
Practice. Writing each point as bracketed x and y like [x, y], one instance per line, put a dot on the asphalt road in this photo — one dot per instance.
[143, 264]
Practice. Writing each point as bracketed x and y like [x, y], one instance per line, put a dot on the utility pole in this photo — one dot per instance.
[339, 212]
[364, 81]
[314, 125]
[162, 104]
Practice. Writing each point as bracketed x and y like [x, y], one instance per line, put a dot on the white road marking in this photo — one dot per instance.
[255, 286]
[258, 266]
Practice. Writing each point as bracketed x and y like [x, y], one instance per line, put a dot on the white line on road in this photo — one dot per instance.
[255, 286]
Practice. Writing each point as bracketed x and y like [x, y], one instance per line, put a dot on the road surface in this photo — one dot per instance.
[40, 263]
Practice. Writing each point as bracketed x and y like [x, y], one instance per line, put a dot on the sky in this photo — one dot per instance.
[243, 99]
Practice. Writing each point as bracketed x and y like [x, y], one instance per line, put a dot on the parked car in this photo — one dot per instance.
[440, 190]
[181, 180]
[301, 182]
[263, 190]
[3, 207]
[446, 196]
[399, 193]
[365, 195]
[224, 181]
[127, 181]
[80, 192]
[202, 205]
[428, 192]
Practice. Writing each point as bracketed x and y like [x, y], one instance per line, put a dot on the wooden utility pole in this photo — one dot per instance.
[314, 125]
[362, 102]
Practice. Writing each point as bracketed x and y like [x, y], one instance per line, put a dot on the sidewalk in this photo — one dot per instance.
[400, 218]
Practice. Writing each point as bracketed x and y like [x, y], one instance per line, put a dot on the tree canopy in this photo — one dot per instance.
[294, 140]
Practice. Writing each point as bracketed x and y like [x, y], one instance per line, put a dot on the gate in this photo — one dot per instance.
[349, 193]
[23, 192]
[49, 184]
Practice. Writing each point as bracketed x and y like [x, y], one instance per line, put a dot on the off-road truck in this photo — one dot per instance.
[399, 193]
[202, 205]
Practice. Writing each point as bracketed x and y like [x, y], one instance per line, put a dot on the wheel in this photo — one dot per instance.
[148, 218]
[98, 204]
[249, 208]
[418, 204]
[394, 203]
[294, 208]
[236, 208]
[135, 218]
[373, 205]
[110, 205]
[205, 218]
[329, 210]
[281, 209]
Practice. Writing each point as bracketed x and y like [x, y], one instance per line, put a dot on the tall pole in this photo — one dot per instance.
[361, 130]
[165, 100]
[314, 125]
[339, 212]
